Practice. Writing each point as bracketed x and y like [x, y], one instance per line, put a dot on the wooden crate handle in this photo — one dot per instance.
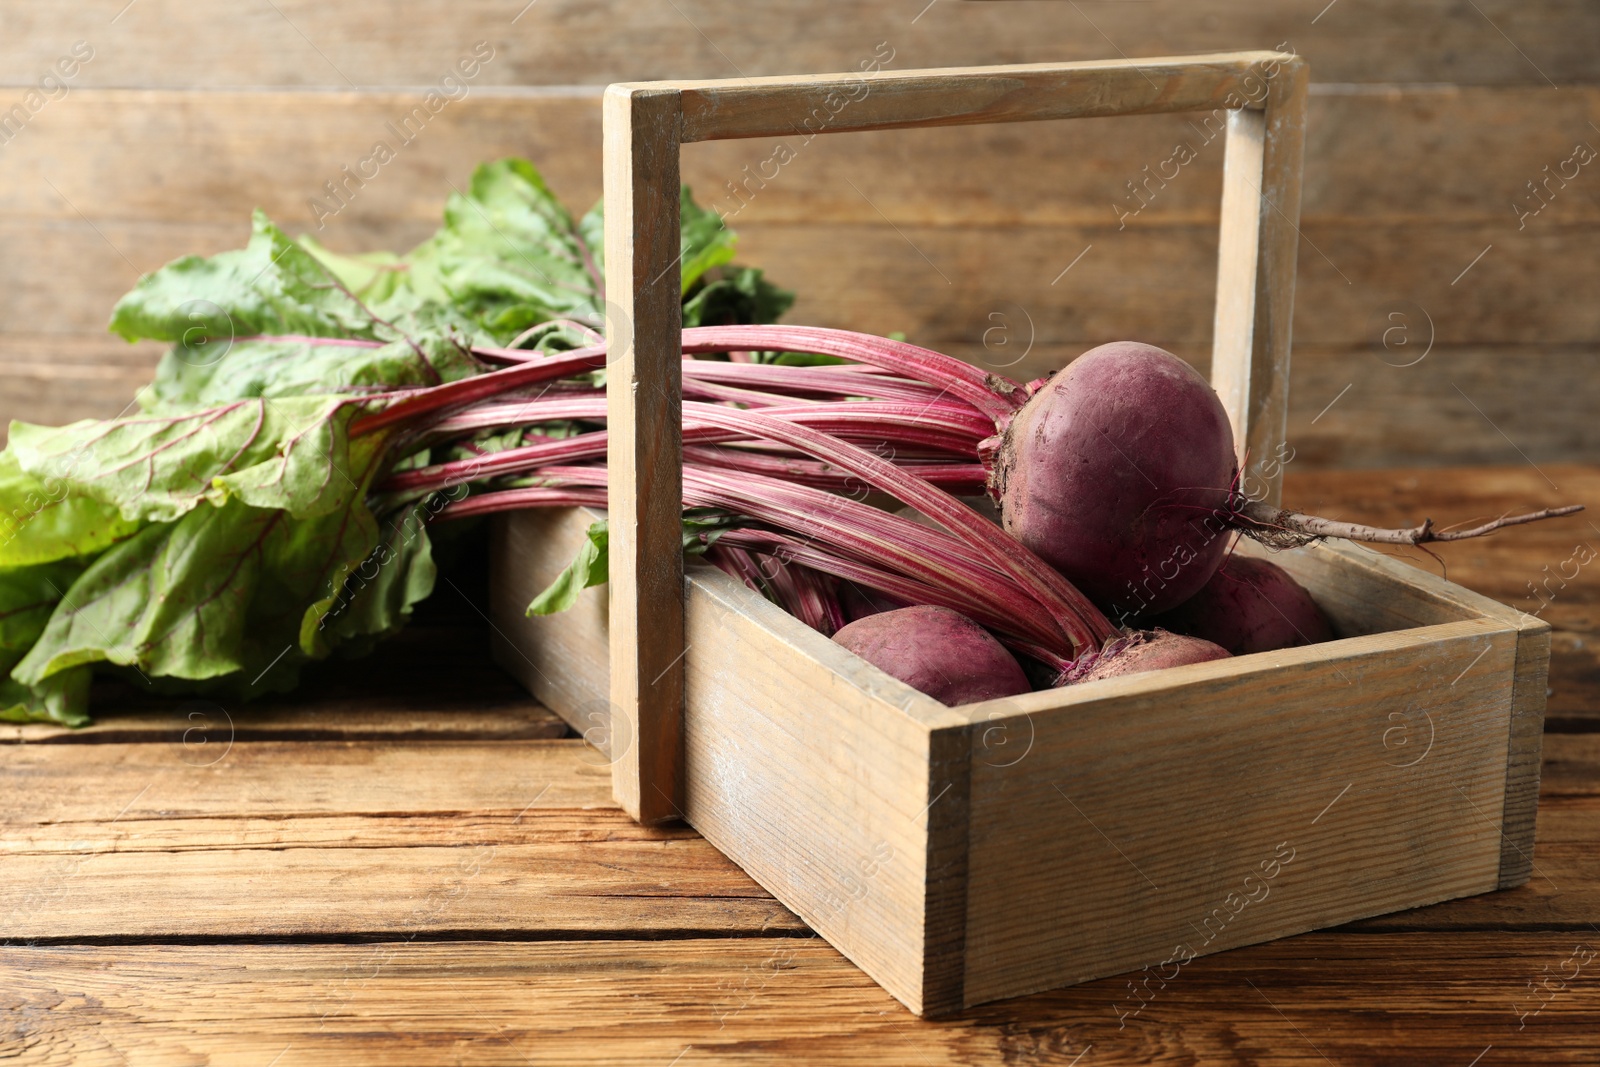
[1263, 96]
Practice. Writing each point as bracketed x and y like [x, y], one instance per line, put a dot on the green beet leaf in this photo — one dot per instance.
[46, 519]
[62, 698]
[246, 369]
[292, 453]
[271, 286]
[221, 591]
[28, 596]
[374, 597]
[592, 565]
[509, 255]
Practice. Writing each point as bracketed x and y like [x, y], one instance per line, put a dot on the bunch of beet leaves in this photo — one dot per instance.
[318, 419]
[231, 523]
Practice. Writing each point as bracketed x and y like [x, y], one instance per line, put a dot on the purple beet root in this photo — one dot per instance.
[1250, 605]
[938, 651]
[1116, 471]
[1148, 650]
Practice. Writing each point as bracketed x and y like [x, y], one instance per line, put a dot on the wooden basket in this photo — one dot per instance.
[960, 855]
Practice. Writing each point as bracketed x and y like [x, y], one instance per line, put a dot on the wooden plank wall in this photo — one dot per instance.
[1427, 122]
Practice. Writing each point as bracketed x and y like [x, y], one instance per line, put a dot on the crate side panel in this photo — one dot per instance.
[1179, 820]
[562, 659]
[803, 767]
[1366, 592]
[1524, 752]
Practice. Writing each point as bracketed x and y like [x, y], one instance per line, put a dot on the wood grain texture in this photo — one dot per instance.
[967, 96]
[1515, 333]
[1436, 653]
[561, 659]
[1234, 350]
[948, 863]
[1501, 567]
[424, 667]
[1523, 746]
[1278, 207]
[1541, 572]
[288, 779]
[1263, 781]
[941, 284]
[644, 454]
[1563, 892]
[1357, 1000]
[1425, 153]
[1570, 766]
[870, 853]
[811, 769]
[415, 43]
[1258, 244]
[314, 840]
[195, 723]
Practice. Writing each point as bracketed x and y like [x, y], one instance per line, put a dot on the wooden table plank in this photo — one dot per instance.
[1571, 765]
[1322, 998]
[279, 779]
[349, 839]
[1521, 567]
[519, 837]
[191, 723]
[559, 889]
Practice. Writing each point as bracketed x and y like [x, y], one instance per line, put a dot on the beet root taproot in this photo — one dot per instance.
[1119, 472]
[937, 651]
[1146, 650]
[1250, 605]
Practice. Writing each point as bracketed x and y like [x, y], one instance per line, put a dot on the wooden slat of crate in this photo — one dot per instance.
[1099, 827]
[813, 745]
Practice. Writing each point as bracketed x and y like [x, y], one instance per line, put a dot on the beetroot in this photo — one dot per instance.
[1118, 471]
[1250, 605]
[1147, 650]
[938, 651]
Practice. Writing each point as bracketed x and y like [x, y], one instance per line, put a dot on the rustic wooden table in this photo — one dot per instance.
[411, 863]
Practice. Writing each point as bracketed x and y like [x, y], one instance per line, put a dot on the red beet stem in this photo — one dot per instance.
[1081, 622]
[945, 427]
[994, 395]
[481, 387]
